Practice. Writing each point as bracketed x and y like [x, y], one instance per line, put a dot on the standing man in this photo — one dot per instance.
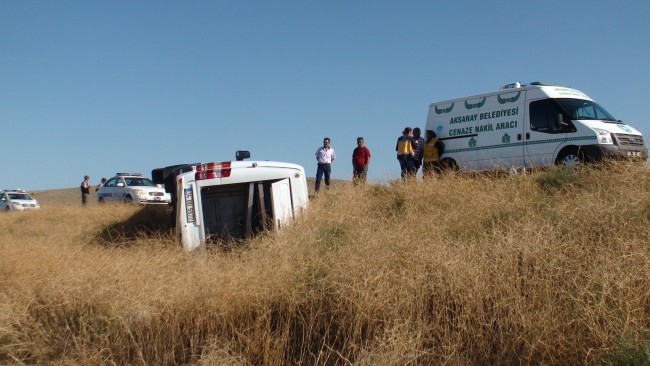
[85, 190]
[100, 185]
[405, 153]
[430, 155]
[360, 162]
[324, 156]
[418, 145]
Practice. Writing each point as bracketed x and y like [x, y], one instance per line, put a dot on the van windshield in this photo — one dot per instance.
[585, 109]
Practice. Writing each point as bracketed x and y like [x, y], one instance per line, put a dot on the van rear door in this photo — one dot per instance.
[282, 202]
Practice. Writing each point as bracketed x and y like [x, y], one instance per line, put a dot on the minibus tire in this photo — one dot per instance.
[449, 165]
[570, 157]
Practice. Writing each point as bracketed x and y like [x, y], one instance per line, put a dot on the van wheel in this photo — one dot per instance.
[101, 200]
[570, 158]
[449, 165]
[128, 200]
[7, 209]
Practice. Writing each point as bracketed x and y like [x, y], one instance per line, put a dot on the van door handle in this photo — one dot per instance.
[518, 136]
[527, 136]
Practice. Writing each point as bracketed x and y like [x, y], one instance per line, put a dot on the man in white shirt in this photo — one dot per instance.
[325, 156]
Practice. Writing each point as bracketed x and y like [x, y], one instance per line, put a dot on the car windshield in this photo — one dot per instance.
[139, 182]
[585, 109]
[19, 196]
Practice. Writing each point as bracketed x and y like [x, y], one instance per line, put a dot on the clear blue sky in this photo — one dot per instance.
[96, 87]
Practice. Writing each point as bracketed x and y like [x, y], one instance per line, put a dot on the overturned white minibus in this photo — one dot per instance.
[232, 200]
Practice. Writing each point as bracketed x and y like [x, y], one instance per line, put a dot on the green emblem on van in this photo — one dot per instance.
[472, 142]
[505, 139]
[475, 105]
[444, 110]
[508, 100]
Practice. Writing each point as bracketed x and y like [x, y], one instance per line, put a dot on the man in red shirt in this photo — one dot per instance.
[360, 162]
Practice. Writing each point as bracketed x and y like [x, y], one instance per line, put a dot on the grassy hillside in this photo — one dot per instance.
[72, 196]
[63, 196]
[546, 268]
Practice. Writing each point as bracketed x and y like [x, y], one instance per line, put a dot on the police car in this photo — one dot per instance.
[17, 200]
[132, 188]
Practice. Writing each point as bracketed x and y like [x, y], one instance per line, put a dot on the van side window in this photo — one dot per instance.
[544, 117]
[110, 183]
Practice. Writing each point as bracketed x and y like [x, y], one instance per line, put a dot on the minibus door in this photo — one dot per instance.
[544, 133]
[282, 203]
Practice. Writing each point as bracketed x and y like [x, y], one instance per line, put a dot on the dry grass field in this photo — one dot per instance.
[72, 196]
[546, 268]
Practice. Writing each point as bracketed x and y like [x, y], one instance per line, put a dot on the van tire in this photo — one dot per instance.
[571, 157]
[128, 199]
[449, 165]
[101, 200]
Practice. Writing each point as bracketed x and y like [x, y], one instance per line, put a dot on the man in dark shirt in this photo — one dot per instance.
[418, 145]
[85, 190]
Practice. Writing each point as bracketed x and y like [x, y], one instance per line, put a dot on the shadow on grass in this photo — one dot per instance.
[150, 222]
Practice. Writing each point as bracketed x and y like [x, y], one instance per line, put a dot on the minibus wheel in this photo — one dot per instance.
[570, 158]
[449, 165]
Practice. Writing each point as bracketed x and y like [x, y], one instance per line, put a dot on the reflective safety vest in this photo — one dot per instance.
[404, 146]
[430, 152]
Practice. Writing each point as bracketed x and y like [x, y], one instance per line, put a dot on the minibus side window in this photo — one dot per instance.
[544, 117]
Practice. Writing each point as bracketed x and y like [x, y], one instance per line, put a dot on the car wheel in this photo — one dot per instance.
[128, 199]
[570, 158]
[7, 209]
[101, 200]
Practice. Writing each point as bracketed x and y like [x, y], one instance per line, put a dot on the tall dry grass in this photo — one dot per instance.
[547, 268]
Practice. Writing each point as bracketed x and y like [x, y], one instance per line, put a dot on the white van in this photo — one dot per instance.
[530, 126]
[232, 200]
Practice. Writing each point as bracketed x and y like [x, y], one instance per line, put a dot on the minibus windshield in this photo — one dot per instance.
[585, 109]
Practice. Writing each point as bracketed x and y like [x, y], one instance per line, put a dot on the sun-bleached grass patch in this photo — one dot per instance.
[544, 268]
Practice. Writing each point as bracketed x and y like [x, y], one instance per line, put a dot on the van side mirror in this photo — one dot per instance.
[120, 184]
[242, 154]
[558, 123]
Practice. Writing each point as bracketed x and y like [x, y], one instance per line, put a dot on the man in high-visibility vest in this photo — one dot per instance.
[405, 153]
[430, 155]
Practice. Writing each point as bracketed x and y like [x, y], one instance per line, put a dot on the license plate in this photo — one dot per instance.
[156, 198]
[189, 205]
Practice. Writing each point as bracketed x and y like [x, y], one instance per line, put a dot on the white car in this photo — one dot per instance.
[17, 200]
[132, 188]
